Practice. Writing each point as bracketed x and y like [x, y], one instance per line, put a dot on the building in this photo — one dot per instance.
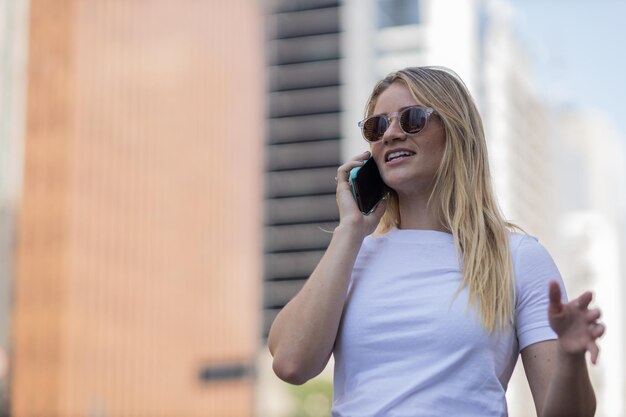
[590, 224]
[13, 48]
[303, 142]
[516, 124]
[136, 284]
[305, 57]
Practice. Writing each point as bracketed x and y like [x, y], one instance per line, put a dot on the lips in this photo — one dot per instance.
[395, 154]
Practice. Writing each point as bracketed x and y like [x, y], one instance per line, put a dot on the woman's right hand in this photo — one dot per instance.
[302, 337]
[349, 214]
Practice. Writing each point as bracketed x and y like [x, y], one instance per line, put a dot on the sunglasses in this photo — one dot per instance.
[412, 120]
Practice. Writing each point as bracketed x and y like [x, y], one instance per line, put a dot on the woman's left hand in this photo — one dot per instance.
[576, 325]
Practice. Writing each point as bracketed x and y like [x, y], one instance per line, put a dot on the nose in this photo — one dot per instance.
[394, 131]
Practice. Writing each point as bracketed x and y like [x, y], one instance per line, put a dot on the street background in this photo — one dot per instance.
[166, 181]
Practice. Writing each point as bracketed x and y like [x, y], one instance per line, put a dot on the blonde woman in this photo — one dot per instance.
[427, 302]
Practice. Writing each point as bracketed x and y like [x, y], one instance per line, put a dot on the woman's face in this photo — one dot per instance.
[415, 172]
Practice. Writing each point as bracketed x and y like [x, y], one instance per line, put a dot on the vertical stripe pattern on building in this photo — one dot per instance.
[303, 143]
[137, 290]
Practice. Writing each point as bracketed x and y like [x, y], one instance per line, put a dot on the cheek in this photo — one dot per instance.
[434, 147]
[440, 149]
[377, 153]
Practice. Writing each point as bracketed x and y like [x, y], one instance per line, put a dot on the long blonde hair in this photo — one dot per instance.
[462, 192]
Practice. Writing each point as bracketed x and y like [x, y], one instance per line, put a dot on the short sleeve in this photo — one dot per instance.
[534, 269]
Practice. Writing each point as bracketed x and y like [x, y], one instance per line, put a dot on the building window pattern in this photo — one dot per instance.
[398, 13]
[303, 151]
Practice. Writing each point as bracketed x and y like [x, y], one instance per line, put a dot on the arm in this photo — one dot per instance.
[303, 334]
[556, 369]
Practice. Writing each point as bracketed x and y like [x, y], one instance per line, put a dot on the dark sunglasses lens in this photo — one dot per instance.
[374, 128]
[413, 120]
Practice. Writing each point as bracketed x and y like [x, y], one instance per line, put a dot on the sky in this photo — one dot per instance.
[577, 50]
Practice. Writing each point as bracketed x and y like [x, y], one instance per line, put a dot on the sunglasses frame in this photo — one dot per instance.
[389, 116]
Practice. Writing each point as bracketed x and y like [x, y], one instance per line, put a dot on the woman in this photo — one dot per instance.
[427, 302]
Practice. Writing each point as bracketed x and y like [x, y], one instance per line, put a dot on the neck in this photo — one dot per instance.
[416, 214]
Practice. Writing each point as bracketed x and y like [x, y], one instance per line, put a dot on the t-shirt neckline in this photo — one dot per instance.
[422, 236]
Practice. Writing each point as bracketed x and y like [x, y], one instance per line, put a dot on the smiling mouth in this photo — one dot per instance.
[393, 156]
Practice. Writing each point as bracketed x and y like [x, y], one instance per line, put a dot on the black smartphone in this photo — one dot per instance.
[367, 186]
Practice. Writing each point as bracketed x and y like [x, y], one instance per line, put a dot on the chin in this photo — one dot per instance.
[398, 184]
[406, 184]
[398, 177]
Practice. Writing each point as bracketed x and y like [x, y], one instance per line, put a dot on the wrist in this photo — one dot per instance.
[351, 230]
[570, 359]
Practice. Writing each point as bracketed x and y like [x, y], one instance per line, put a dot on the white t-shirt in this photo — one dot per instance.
[407, 348]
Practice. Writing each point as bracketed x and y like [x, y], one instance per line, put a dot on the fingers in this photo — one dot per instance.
[575, 323]
[596, 329]
[555, 298]
[344, 170]
[380, 209]
[594, 350]
[594, 314]
[583, 301]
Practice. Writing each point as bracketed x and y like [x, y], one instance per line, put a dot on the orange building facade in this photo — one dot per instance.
[137, 266]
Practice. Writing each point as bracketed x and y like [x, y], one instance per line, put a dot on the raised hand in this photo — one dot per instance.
[576, 325]
[349, 213]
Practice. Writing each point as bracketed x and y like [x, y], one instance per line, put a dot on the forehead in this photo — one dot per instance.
[393, 98]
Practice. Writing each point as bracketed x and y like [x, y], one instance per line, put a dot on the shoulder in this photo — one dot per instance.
[534, 269]
[370, 247]
[373, 245]
[522, 241]
[372, 242]
[533, 265]
[528, 252]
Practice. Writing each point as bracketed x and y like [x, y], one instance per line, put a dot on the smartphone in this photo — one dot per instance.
[367, 186]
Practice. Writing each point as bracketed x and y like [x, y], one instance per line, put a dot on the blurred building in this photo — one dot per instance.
[305, 57]
[516, 123]
[591, 177]
[13, 49]
[304, 116]
[134, 256]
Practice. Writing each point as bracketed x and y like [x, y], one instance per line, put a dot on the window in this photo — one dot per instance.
[398, 13]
